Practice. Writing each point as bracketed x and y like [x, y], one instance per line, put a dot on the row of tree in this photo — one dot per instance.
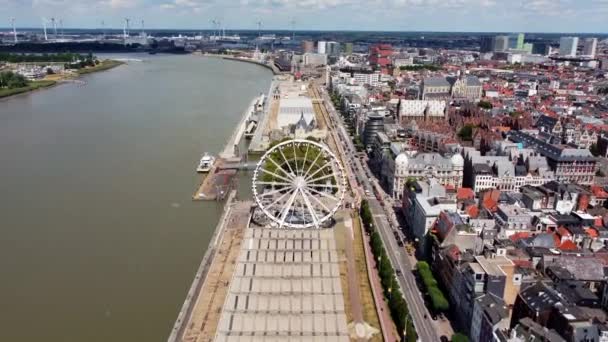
[396, 301]
[438, 300]
[41, 58]
[421, 67]
[11, 80]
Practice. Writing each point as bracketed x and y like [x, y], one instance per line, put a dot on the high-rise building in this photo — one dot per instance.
[589, 47]
[308, 46]
[541, 48]
[501, 43]
[486, 44]
[348, 48]
[568, 46]
[321, 47]
[528, 47]
[332, 48]
[520, 41]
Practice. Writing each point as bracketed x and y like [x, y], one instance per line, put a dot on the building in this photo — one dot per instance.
[423, 202]
[528, 330]
[291, 110]
[332, 48]
[501, 43]
[568, 46]
[490, 314]
[520, 42]
[308, 46]
[425, 110]
[321, 47]
[466, 87]
[348, 48]
[435, 88]
[589, 47]
[314, 59]
[399, 168]
[571, 165]
[512, 219]
[379, 57]
[500, 172]
[486, 44]
[374, 123]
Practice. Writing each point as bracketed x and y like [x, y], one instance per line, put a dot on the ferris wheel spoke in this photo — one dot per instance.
[274, 183]
[320, 178]
[311, 165]
[278, 200]
[286, 162]
[321, 185]
[319, 170]
[295, 159]
[311, 210]
[318, 201]
[288, 205]
[289, 175]
[270, 193]
[321, 193]
[275, 175]
[305, 158]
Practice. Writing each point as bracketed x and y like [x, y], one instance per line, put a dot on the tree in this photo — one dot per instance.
[460, 337]
[466, 133]
[485, 105]
[594, 149]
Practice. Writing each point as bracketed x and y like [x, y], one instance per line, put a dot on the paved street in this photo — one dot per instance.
[398, 256]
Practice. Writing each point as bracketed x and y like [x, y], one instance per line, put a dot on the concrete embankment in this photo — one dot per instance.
[270, 67]
[184, 315]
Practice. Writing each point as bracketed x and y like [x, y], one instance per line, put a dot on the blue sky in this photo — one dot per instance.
[394, 15]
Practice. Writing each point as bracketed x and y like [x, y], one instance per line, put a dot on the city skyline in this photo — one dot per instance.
[348, 15]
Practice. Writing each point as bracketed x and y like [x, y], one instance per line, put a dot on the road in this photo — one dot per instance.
[397, 255]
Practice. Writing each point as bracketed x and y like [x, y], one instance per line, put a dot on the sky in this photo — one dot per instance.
[372, 15]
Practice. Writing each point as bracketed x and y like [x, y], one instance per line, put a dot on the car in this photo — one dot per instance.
[444, 338]
[398, 272]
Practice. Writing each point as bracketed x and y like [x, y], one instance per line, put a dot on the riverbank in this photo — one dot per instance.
[274, 69]
[102, 66]
[35, 85]
[53, 80]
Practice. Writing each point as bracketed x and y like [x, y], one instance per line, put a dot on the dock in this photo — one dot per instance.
[217, 183]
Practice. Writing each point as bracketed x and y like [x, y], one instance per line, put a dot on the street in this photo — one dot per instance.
[398, 257]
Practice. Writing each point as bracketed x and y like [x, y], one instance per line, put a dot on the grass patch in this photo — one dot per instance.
[370, 315]
[32, 86]
[103, 65]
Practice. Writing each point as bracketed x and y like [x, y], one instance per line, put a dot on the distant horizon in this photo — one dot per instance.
[137, 29]
[534, 16]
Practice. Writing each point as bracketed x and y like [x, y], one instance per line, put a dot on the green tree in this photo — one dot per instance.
[594, 149]
[466, 133]
[460, 337]
[485, 105]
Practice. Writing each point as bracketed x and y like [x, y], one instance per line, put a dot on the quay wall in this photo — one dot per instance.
[201, 274]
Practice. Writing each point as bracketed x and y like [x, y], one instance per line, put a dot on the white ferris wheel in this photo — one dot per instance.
[299, 184]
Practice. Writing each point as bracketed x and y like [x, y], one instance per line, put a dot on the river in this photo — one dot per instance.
[100, 239]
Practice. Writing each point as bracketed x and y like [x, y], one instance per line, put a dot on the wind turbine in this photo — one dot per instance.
[103, 28]
[44, 20]
[61, 27]
[14, 30]
[259, 23]
[54, 28]
[292, 23]
[125, 30]
[143, 32]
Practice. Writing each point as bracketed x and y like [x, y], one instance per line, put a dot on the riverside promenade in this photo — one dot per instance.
[199, 315]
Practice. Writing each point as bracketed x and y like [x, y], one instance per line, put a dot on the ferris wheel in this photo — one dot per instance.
[299, 184]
